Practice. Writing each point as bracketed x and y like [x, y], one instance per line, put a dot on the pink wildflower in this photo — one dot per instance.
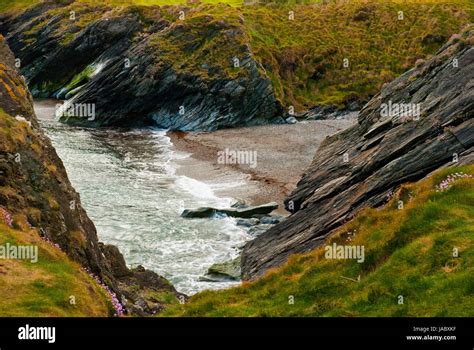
[446, 183]
[6, 216]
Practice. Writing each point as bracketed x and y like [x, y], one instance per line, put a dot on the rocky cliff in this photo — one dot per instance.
[174, 67]
[211, 66]
[418, 123]
[405, 253]
[36, 195]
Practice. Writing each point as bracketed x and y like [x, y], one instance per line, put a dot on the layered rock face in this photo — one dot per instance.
[391, 144]
[144, 65]
[36, 192]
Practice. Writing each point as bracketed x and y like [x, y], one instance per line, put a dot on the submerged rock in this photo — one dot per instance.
[259, 229]
[271, 220]
[247, 222]
[291, 120]
[360, 166]
[205, 212]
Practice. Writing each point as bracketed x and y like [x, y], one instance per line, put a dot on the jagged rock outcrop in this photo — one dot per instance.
[35, 191]
[362, 165]
[144, 65]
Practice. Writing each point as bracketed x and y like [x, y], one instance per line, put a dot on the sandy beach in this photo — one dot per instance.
[282, 153]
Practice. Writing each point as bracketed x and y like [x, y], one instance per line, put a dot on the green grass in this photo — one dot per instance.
[408, 253]
[204, 40]
[304, 57]
[14, 5]
[46, 287]
[81, 78]
[54, 286]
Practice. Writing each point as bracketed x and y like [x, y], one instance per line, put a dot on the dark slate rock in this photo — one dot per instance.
[151, 90]
[248, 212]
[382, 153]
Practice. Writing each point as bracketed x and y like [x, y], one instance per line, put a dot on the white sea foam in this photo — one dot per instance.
[98, 68]
[202, 191]
[129, 187]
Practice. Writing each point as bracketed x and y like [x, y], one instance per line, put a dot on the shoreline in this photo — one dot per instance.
[280, 155]
[140, 165]
[283, 153]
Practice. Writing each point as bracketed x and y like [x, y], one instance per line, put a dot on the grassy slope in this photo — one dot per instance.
[44, 288]
[214, 50]
[7, 5]
[408, 252]
[304, 57]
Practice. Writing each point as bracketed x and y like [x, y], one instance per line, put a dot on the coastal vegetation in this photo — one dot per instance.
[51, 261]
[297, 55]
[52, 286]
[334, 53]
[419, 261]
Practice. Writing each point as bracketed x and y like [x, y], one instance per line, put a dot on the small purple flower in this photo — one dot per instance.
[389, 195]
[6, 216]
[119, 309]
[51, 243]
[446, 183]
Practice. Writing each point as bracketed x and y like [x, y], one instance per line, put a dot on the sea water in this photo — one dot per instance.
[128, 185]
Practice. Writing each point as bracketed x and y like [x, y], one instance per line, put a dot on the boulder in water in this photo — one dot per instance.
[248, 212]
[247, 222]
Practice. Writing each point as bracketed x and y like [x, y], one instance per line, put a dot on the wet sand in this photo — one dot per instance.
[283, 152]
